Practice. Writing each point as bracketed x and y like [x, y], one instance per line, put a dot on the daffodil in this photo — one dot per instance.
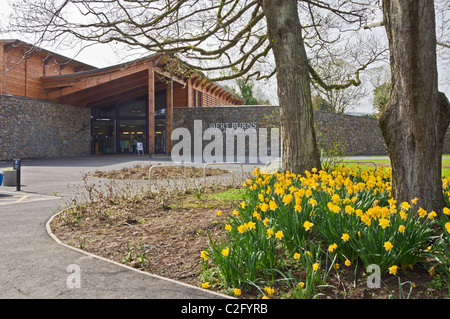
[403, 215]
[332, 247]
[261, 198]
[336, 199]
[307, 225]
[269, 290]
[384, 222]
[347, 263]
[273, 205]
[279, 234]
[388, 245]
[401, 228]
[237, 291]
[422, 212]
[366, 219]
[405, 206]
[204, 255]
[315, 266]
[308, 193]
[226, 252]
[264, 207]
[393, 270]
[297, 255]
[345, 237]
[313, 202]
[349, 209]
[205, 285]
[446, 211]
[392, 202]
[287, 199]
[432, 215]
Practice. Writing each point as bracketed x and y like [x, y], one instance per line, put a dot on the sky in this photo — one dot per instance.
[103, 55]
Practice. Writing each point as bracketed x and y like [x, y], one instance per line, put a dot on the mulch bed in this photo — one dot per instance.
[141, 172]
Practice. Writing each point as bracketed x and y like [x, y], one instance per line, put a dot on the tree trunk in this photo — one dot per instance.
[416, 118]
[299, 148]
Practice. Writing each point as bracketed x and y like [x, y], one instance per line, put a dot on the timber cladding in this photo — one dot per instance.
[31, 128]
[22, 66]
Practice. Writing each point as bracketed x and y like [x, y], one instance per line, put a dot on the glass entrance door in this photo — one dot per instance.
[132, 132]
[104, 137]
[160, 122]
[160, 136]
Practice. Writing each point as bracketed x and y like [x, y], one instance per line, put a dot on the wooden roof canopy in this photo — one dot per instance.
[106, 86]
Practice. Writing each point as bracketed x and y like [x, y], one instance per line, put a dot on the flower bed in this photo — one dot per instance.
[293, 232]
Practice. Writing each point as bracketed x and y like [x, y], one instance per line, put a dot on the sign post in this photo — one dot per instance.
[17, 166]
[140, 148]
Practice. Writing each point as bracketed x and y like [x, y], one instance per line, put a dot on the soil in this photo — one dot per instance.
[170, 231]
[141, 172]
[164, 234]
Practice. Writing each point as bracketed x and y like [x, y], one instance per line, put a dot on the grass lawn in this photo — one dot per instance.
[380, 162]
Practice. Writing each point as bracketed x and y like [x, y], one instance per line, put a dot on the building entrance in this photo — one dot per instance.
[160, 122]
[130, 133]
[104, 136]
[119, 128]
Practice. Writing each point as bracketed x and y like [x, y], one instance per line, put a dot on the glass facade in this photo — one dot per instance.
[160, 122]
[119, 128]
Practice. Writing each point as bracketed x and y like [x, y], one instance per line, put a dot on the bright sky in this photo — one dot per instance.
[103, 55]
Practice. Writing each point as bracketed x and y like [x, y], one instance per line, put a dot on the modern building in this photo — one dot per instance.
[52, 106]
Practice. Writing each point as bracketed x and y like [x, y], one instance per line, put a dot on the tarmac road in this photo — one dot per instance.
[35, 265]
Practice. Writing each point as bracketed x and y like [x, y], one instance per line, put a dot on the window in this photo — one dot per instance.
[136, 107]
[197, 98]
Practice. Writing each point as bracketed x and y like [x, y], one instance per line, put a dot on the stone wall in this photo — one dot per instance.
[31, 128]
[358, 135]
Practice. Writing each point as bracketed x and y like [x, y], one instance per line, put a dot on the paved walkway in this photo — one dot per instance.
[34, 265]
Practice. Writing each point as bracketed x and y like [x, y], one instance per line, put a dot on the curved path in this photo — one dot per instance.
[35, 265]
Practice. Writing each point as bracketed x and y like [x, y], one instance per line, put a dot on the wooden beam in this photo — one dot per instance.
[151, 111]
[2, 69]
[169, 120]
[106, 90]
[91, 79]
[189, 93]
[124, 96]
[169, 76]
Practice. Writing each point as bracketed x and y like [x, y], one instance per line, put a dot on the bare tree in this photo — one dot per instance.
[336, 71]
[417, 115]
[223, 40]
[443, 40]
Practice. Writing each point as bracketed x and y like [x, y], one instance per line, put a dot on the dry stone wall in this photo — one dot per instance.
[32, 128]
[360, 135]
